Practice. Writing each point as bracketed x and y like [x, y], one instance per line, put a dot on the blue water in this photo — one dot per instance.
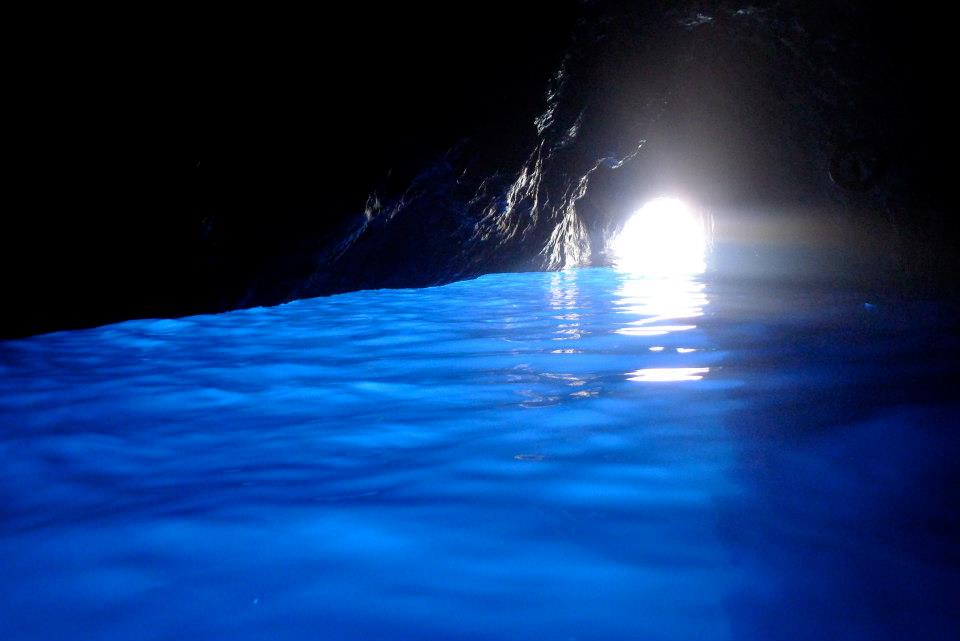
[575, 455]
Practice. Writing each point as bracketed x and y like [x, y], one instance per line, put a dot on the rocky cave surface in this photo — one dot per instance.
[525, 153]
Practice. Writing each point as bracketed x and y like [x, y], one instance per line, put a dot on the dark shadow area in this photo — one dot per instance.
[848, 428]
[204, 163]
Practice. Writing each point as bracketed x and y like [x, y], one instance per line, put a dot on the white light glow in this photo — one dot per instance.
[664, 237]
[667, 374]
[660, 301]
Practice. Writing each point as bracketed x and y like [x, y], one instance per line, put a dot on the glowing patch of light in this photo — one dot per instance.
[659, 299]
[654, 330]
[563, 299]
[664, 237]
[667, 374]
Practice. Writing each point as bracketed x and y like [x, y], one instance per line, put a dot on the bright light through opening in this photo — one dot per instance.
[664, 237]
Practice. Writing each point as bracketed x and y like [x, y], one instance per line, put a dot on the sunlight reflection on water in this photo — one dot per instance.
[662, 305]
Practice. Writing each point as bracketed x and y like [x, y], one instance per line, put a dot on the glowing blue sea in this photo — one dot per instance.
[576, 455]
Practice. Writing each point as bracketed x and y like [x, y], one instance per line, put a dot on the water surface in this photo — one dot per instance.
[574, 455]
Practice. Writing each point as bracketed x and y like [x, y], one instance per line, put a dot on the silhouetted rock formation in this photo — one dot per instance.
[553, 127]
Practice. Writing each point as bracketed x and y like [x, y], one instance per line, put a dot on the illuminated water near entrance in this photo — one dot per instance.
[575, 455]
